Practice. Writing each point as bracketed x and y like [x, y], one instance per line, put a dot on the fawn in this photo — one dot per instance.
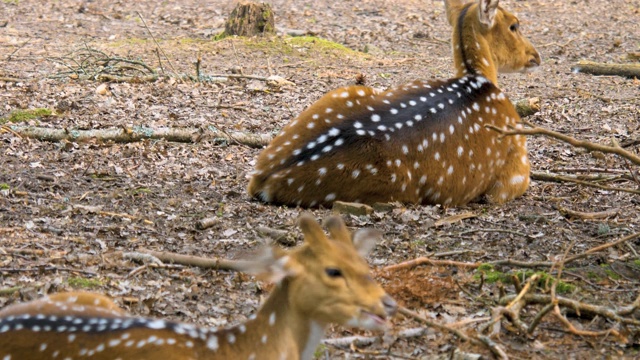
[423, 142]
[324, 281]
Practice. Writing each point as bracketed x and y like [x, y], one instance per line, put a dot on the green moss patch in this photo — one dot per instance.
[19, 116]
[491, 275]
[82, 283]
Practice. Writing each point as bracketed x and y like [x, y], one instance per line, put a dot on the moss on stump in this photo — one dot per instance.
[249, 19]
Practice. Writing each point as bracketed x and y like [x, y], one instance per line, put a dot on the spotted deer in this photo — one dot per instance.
[424, 142]
[324, 281]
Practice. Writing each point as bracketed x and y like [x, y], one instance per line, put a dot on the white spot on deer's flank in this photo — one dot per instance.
[517, 179]
[212, 343]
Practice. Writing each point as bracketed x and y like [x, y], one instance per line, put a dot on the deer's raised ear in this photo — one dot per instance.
[338, 229]
[365, 239]
[452, 8]
[487, 11]
[270, 264]
[313, 234]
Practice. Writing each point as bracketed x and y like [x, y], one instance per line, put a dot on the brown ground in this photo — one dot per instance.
[59, 197]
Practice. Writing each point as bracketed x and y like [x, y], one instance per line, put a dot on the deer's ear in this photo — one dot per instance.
[452, 8]
[487, 11]
[313, 235]
[271, 264]
[338, 229]
[365, 239]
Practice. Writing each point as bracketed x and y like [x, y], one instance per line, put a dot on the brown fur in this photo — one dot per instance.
[290, 323]
[355, 144]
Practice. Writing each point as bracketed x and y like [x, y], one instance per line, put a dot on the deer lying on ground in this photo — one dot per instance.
[324, 281]
[423, 142]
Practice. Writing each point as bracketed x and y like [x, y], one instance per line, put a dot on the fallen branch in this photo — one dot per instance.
[511, 310]
[589, 215]
[347, 341]
[282, 237]
[207, 263]
[602, 247]
[98, 210]
[507, 231]
[127, 135]
[559, 178]
[535, 130]
[527, 107]
[578, 308]
[142, 257]
[507, 262]
[594, 68]
[493, 347]
[48, 268]
[206, 223]
[35, 252]
[10, 79]
[10, 291]
[427, 261]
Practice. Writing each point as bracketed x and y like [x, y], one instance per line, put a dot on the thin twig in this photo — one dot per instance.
[18, 49]
[560, 178]
[507, 231]
[535, 130]
[175, 73]
[602, 247]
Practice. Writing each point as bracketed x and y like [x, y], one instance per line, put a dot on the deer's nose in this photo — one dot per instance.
[535, 60]
[390, 305]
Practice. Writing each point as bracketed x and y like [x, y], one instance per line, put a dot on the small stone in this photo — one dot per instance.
[352, 208]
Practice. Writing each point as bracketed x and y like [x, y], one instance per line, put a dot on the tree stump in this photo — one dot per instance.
[249, 19]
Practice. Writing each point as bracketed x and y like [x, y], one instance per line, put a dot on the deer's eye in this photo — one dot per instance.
[514, 27]
[333, 272]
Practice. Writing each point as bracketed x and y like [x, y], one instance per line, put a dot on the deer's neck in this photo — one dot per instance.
[281, 330]
[471, 52]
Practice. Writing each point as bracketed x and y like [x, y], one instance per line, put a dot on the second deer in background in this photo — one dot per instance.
[422, 142]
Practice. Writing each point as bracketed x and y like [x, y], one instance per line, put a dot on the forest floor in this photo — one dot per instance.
[70, 210]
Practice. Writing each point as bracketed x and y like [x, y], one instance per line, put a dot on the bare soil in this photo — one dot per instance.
[82, 205]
